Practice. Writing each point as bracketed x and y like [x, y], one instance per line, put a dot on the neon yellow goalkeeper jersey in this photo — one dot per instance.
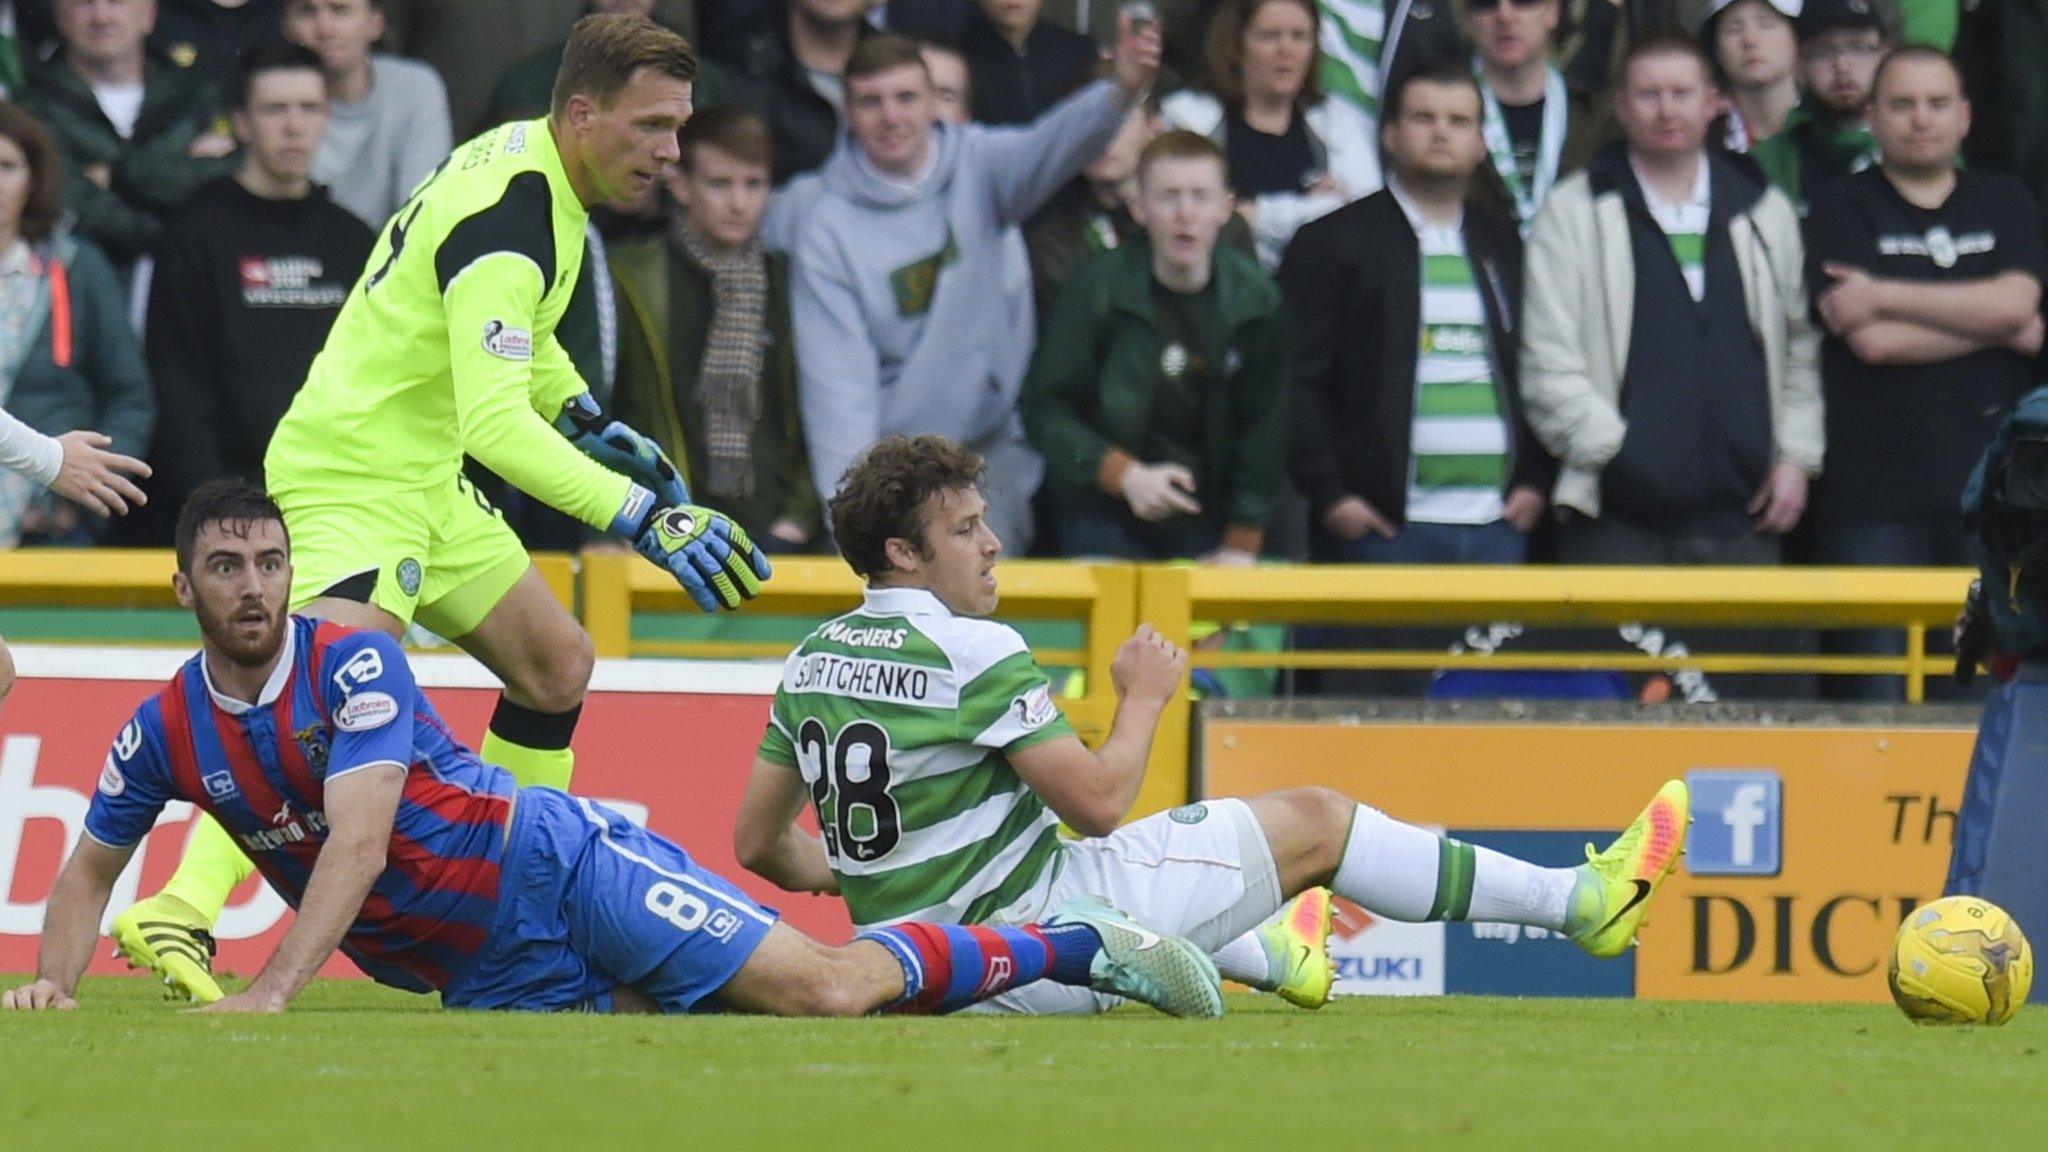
[447, 343]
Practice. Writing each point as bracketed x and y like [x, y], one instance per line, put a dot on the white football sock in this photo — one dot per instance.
[1244, 960]
[1511, 891]
[1402, 872]
[1389, 868]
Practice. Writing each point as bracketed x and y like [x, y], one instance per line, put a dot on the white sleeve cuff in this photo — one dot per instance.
[336, 774]
[29, 452]
[104, 844]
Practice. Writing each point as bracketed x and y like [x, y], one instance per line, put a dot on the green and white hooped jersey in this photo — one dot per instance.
[901, 718]
[1458, 456]
[1685, 226]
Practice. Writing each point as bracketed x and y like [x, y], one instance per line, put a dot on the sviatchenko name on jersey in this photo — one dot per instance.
[888, 681]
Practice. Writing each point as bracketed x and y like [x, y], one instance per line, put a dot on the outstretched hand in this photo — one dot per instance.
[98, 479]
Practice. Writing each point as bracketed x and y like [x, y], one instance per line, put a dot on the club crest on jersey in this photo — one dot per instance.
[364, 711]
[314, 745]
[506, 342]
[409, 576]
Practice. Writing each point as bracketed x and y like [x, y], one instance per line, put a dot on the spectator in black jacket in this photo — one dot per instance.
[209, 37]
[790, 69]
[246, 283]
[1022, 65]
[1409, 438]
[138, 133]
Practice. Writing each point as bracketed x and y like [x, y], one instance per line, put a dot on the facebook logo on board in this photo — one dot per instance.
[1738, 825]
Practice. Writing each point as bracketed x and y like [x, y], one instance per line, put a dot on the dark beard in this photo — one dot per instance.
[221, 635]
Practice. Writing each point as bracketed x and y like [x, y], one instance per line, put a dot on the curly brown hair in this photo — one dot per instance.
[883, 496]
[39, 212]
[1223, 52]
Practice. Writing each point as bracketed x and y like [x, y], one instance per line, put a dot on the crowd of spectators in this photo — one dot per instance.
[1599, 281]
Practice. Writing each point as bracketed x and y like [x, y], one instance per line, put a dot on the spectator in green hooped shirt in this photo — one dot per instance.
[1828, 134]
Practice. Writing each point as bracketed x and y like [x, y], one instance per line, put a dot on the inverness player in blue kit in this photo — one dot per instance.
[310, 743]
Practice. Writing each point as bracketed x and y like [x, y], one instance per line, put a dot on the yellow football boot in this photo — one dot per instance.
[1614, 887]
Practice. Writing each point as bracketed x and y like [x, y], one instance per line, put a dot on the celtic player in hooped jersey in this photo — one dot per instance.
[926, 740]
[446, 347]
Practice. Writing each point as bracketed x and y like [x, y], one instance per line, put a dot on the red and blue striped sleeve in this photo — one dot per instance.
[135, 784]
[370, 695]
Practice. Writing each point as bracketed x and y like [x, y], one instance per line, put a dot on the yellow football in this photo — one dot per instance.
[1960, 960]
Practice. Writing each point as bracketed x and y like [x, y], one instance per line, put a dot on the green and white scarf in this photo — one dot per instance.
[1549, 145]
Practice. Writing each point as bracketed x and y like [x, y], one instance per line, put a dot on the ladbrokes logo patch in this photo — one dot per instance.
[506, 342]
[1035, 708]
[366, 710]
[112, 783]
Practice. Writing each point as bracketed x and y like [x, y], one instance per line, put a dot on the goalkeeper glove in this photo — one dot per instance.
[620, 448]
[709, 555]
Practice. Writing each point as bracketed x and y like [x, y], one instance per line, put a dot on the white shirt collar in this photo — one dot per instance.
[903, 602]
[1701, 194]
[272, 688]
[1416, 219]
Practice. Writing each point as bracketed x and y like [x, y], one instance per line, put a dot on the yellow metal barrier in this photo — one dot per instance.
[1101, 597]
[1172, 598]
[1109, 601]
[141, 578]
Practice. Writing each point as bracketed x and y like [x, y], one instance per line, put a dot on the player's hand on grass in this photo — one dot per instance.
[36, 997]
[1148, 667]
[709, 555]
[96, 478]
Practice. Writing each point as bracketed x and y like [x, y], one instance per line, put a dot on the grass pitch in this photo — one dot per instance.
[355, 1066]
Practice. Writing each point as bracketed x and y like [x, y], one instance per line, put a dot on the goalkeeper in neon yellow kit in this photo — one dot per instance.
[447, 346]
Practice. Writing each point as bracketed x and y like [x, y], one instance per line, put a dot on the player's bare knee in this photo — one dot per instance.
[1306, 829]
[841, 998]
[1325, 812]
[825, 989]
[573, 662]
[559, 675]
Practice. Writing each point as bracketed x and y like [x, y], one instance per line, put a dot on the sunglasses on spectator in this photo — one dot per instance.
[1490, 5]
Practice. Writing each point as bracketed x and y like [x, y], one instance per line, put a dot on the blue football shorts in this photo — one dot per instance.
[588, 901]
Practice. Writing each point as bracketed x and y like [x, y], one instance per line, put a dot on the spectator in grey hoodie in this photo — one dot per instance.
[388, 123]
[896, 262]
